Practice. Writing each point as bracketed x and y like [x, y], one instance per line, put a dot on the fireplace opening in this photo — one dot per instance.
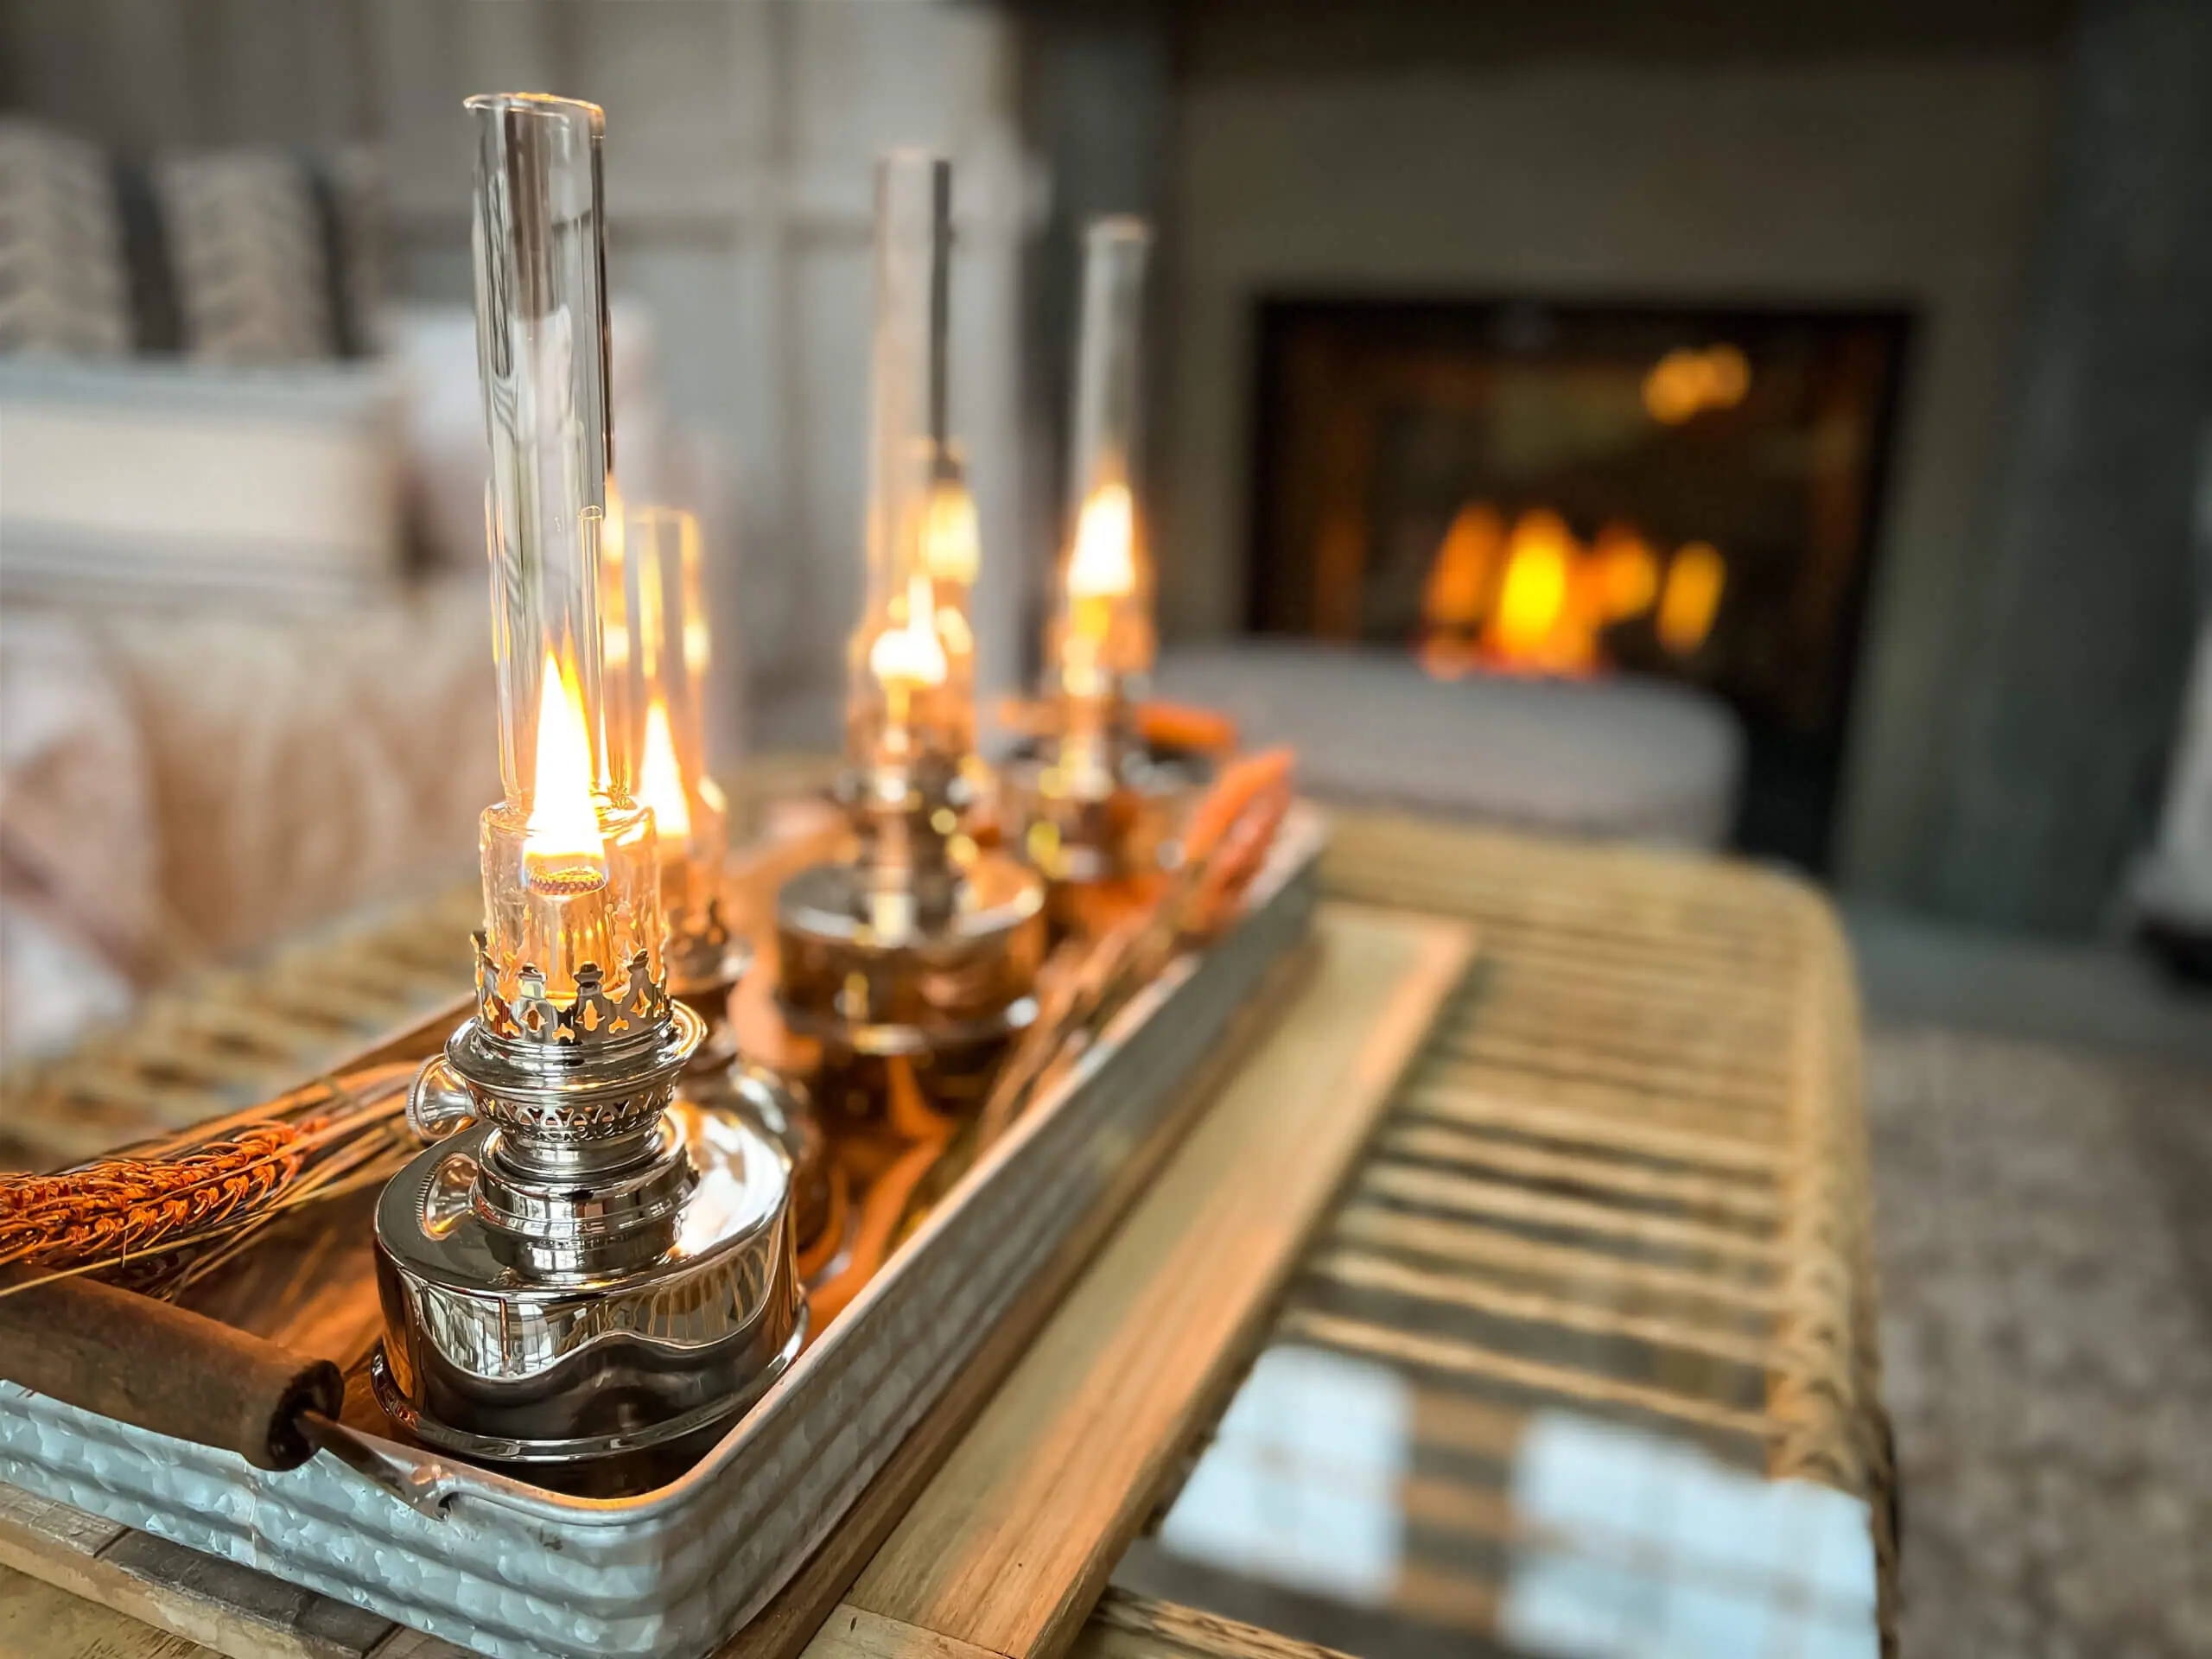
[1521, 487]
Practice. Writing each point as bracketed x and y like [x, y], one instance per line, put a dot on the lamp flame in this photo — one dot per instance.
[660, 777]
[1103, 564]
[562, 855]
[910, 654]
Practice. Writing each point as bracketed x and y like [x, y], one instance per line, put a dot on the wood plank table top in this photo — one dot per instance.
[1618, 1167]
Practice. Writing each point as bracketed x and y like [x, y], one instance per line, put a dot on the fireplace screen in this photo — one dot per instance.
[1568, 490]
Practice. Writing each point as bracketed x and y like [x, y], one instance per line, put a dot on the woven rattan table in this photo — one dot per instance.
[1546, 1137]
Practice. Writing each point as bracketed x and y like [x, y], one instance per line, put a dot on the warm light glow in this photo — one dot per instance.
[1687, 381]
[1539, 601]
[1097, 636]
[660, 777]
[1103, 564]
[1532, 600]
[910, 653]
[1456, 595]
[1691, 597]
[562, 855]
[1627, 573]
[1457, 592]
[952, 546]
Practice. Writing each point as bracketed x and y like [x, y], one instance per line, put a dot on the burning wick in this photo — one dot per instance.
[908, 655]
[1103, 565]
[1102, 570]
[562, 853]
[660, 779]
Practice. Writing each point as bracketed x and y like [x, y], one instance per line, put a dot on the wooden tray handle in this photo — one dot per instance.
[167, 1369]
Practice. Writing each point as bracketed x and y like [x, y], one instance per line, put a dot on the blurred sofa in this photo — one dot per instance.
[244, 681]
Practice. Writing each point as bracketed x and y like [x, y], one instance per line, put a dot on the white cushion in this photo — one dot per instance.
[147, 482]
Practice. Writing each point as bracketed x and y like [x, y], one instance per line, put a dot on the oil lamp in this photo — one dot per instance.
[578, 1276]
[657, 650]
[920, 945]
[1093, 805]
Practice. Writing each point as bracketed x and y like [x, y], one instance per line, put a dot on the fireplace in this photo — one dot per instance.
[1515, 486]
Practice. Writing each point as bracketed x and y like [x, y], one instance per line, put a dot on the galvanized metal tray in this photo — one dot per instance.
[512, 1570]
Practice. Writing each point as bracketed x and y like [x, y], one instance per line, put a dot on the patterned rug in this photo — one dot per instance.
[2045, 1247]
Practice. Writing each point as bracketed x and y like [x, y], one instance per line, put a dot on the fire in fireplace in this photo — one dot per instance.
[1689, 492]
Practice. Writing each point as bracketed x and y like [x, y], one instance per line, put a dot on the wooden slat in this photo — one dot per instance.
[1012, 1543]
[859, 1634]
[1458, 1150]
[1751, 1119]
[1471, 1245]
[1378, 1275]
[47, 1621]
[1473, 1361]
[1725, 1070]
[1126, 1626]
[1482, 1108]
[1464, 1196]
[167, 1592]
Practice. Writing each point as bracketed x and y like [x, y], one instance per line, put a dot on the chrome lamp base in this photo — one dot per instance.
[589, 1281]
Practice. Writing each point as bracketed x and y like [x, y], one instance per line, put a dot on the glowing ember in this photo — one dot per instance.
[562, 854]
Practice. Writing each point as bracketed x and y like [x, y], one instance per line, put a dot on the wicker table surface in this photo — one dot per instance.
[1616, 1187]
[1617, 1208]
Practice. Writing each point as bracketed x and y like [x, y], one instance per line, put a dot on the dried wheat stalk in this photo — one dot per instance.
[126, 1206]
[158, 1212]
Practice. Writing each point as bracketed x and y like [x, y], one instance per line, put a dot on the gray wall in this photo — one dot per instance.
[1878, 178]
[2075, 673]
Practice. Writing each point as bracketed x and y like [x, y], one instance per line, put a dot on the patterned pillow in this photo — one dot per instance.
[250, 256]
[63, 286]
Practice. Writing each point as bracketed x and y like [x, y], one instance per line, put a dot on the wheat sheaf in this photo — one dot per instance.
[163, 1215]
[122, 1207]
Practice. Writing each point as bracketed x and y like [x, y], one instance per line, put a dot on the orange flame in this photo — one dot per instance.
[561, 851]
[1539, 601]
[909, 653]
[1691, 597]
[1104, 563]
[660, 776]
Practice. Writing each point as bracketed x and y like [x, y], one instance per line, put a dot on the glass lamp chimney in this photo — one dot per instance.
[911, 706]
[656, 608]
[1102, 627]
[567, 856]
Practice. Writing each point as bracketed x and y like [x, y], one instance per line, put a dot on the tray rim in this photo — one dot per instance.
[648, 1587]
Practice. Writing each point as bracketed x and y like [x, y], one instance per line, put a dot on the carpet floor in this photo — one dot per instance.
[2045, 1241]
